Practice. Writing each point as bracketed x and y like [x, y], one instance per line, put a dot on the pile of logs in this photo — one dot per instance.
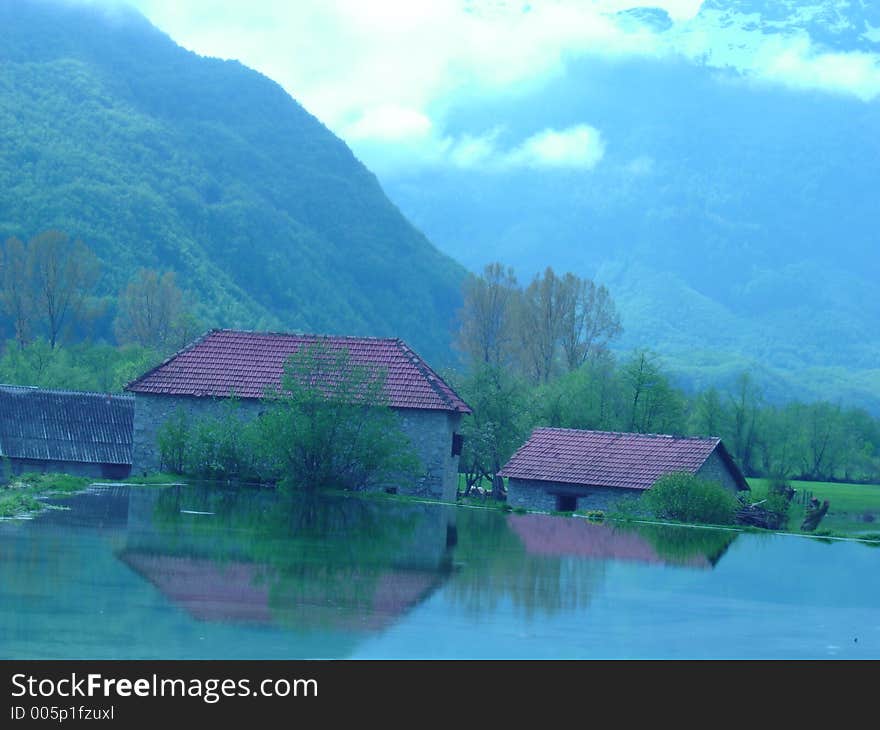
[756, 515]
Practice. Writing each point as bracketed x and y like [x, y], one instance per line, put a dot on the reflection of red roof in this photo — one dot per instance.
[610, 459]
[235, 591]
[559, 536]
[224, 362]
[207, 590]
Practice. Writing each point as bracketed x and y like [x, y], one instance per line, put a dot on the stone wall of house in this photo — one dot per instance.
[714, 469]
[541, 495]
[429, 431]
[151, 411]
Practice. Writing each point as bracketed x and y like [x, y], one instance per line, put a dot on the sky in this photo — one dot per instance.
[384, 74]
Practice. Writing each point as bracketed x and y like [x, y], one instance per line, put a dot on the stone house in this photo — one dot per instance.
[225, 363]
[567, 469]
[85, 434]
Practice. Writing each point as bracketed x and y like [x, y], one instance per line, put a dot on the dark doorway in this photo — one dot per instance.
[566, 503]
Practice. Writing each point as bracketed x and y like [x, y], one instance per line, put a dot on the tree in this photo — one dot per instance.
[589, 320]
[562, 322]
[61, 276]
[15, 293]
[745, 404]
[151, 311]
[486, 333]
[542, 314]
[708, 416]
[585, 398]
[328, 424]
[653, 404]
[498, 425]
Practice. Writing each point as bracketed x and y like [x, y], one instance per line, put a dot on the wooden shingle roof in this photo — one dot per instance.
[611, 459]
[229, 362]
[58, 425]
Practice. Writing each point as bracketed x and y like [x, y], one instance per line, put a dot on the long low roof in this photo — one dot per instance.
[611, 459]
[60, 425]
[230, 362]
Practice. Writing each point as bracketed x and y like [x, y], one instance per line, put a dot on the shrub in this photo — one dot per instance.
[686, 498]
[173, 437]
[627, 509]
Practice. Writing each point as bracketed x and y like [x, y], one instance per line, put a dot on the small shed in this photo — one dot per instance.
[567, 469]
[85, 434]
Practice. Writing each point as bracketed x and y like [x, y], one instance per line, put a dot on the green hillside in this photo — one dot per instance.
[157, 157]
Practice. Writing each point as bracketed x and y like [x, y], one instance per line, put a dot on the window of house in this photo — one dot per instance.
[457, 443]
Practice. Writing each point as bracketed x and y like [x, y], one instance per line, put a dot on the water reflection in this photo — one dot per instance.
[195, 572]
[544, 564]
[255, 556]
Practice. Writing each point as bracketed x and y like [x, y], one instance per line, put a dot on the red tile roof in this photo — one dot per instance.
[225, 362]
[610, 459]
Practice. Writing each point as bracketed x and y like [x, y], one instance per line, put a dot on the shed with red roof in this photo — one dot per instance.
[567, 469]
[229, 363]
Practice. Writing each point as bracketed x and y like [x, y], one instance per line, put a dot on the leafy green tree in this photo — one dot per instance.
[499, 424]
[588, 397]
[653, 405]
[328, 424]
[745, 404]
[708, 415]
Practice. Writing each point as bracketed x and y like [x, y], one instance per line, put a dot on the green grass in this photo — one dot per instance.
[20, 497]
[854, 508]
[15, 502]
[52, 483]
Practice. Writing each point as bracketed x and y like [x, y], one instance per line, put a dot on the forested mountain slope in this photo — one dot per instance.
[157, 157]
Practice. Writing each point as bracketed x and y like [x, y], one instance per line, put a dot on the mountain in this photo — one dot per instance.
[157, 157]
[733, 214]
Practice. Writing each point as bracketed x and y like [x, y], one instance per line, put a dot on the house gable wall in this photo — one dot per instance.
[716, 470]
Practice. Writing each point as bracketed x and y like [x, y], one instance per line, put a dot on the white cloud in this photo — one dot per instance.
[385, 72]
[390, 123]
[576, 147]
[800, 66]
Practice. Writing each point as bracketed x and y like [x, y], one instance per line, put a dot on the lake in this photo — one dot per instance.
[197, 573]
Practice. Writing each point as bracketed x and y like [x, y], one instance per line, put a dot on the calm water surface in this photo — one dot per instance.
[185, 572]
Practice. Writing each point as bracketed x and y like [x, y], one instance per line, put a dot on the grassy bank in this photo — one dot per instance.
[854, 508]
[22, 495]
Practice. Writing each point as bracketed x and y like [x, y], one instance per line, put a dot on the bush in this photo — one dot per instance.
[686, 498]
[173, 438]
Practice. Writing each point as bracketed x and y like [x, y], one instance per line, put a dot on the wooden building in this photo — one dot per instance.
[85, 434]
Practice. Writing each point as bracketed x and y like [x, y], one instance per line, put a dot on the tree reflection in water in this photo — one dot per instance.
[303, 562]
